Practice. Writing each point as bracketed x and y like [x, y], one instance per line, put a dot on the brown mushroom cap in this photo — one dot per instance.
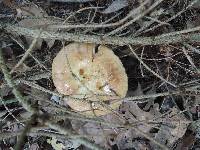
[79, 71]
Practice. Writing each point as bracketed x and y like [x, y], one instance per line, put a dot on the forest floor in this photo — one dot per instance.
[158, 43]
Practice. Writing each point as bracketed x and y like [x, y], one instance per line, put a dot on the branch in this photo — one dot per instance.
[72, 135]
[11, 84]
[149, 69]
[27, 53]
[170, 38]
[22, 137]
[139, 16]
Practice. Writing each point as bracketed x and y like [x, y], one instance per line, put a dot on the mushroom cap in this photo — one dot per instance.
[89, 76]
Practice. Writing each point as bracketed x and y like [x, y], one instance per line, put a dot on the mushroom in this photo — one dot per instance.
[92, 75]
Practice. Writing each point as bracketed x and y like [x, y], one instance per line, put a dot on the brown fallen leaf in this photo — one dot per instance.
[34, 17]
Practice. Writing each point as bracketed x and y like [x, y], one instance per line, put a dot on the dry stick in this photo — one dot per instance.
[39, 76]
[195, 50]
[145, 26]
[195, 81]
[39, 133]
[51, 134]
[102, 25]
[33, 110]
[93, 120]
[22, 137]
[190, 60]
[17, 94]
[168, 20]
[22, 46]
[135, 19]
[8, 110]
[15, 91]
[156, 20]
[136, 99]
[68, 132]
[26, 53]
[139, 99]
[32, 84]
[114, 40]
[171, 34]
[36, 86]
[35, 131]
[80, 10]
[149, 69]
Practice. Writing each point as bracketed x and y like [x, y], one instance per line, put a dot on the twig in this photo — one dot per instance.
[171, 34]
[83, 118]
[114, 40]
[101, 25]
[170, 19]
[8, 79]
[34, 132]
[26, 53]
[192, 82]
[149, 69]
[8, 110]
[39, 76]
[68, 132]
[140, 15]
[156, 20]
[21, 141]
[192, 48]
[23, 47]
[190, 60]
[140, 98]
[32, 84]
[80, 10]
[36, 86]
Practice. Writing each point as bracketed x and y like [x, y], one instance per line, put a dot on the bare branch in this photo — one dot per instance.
[173, 37]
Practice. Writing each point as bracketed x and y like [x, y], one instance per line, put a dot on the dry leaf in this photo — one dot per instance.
[134, 114]
[98, 133]
[38, 19]
[115, 6]
[186, 142]
[31, 10]
[180, 123]
[176, 127]
[54, 143]
[34, 146]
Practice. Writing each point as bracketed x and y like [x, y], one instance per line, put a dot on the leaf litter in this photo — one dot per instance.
[158, 118]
